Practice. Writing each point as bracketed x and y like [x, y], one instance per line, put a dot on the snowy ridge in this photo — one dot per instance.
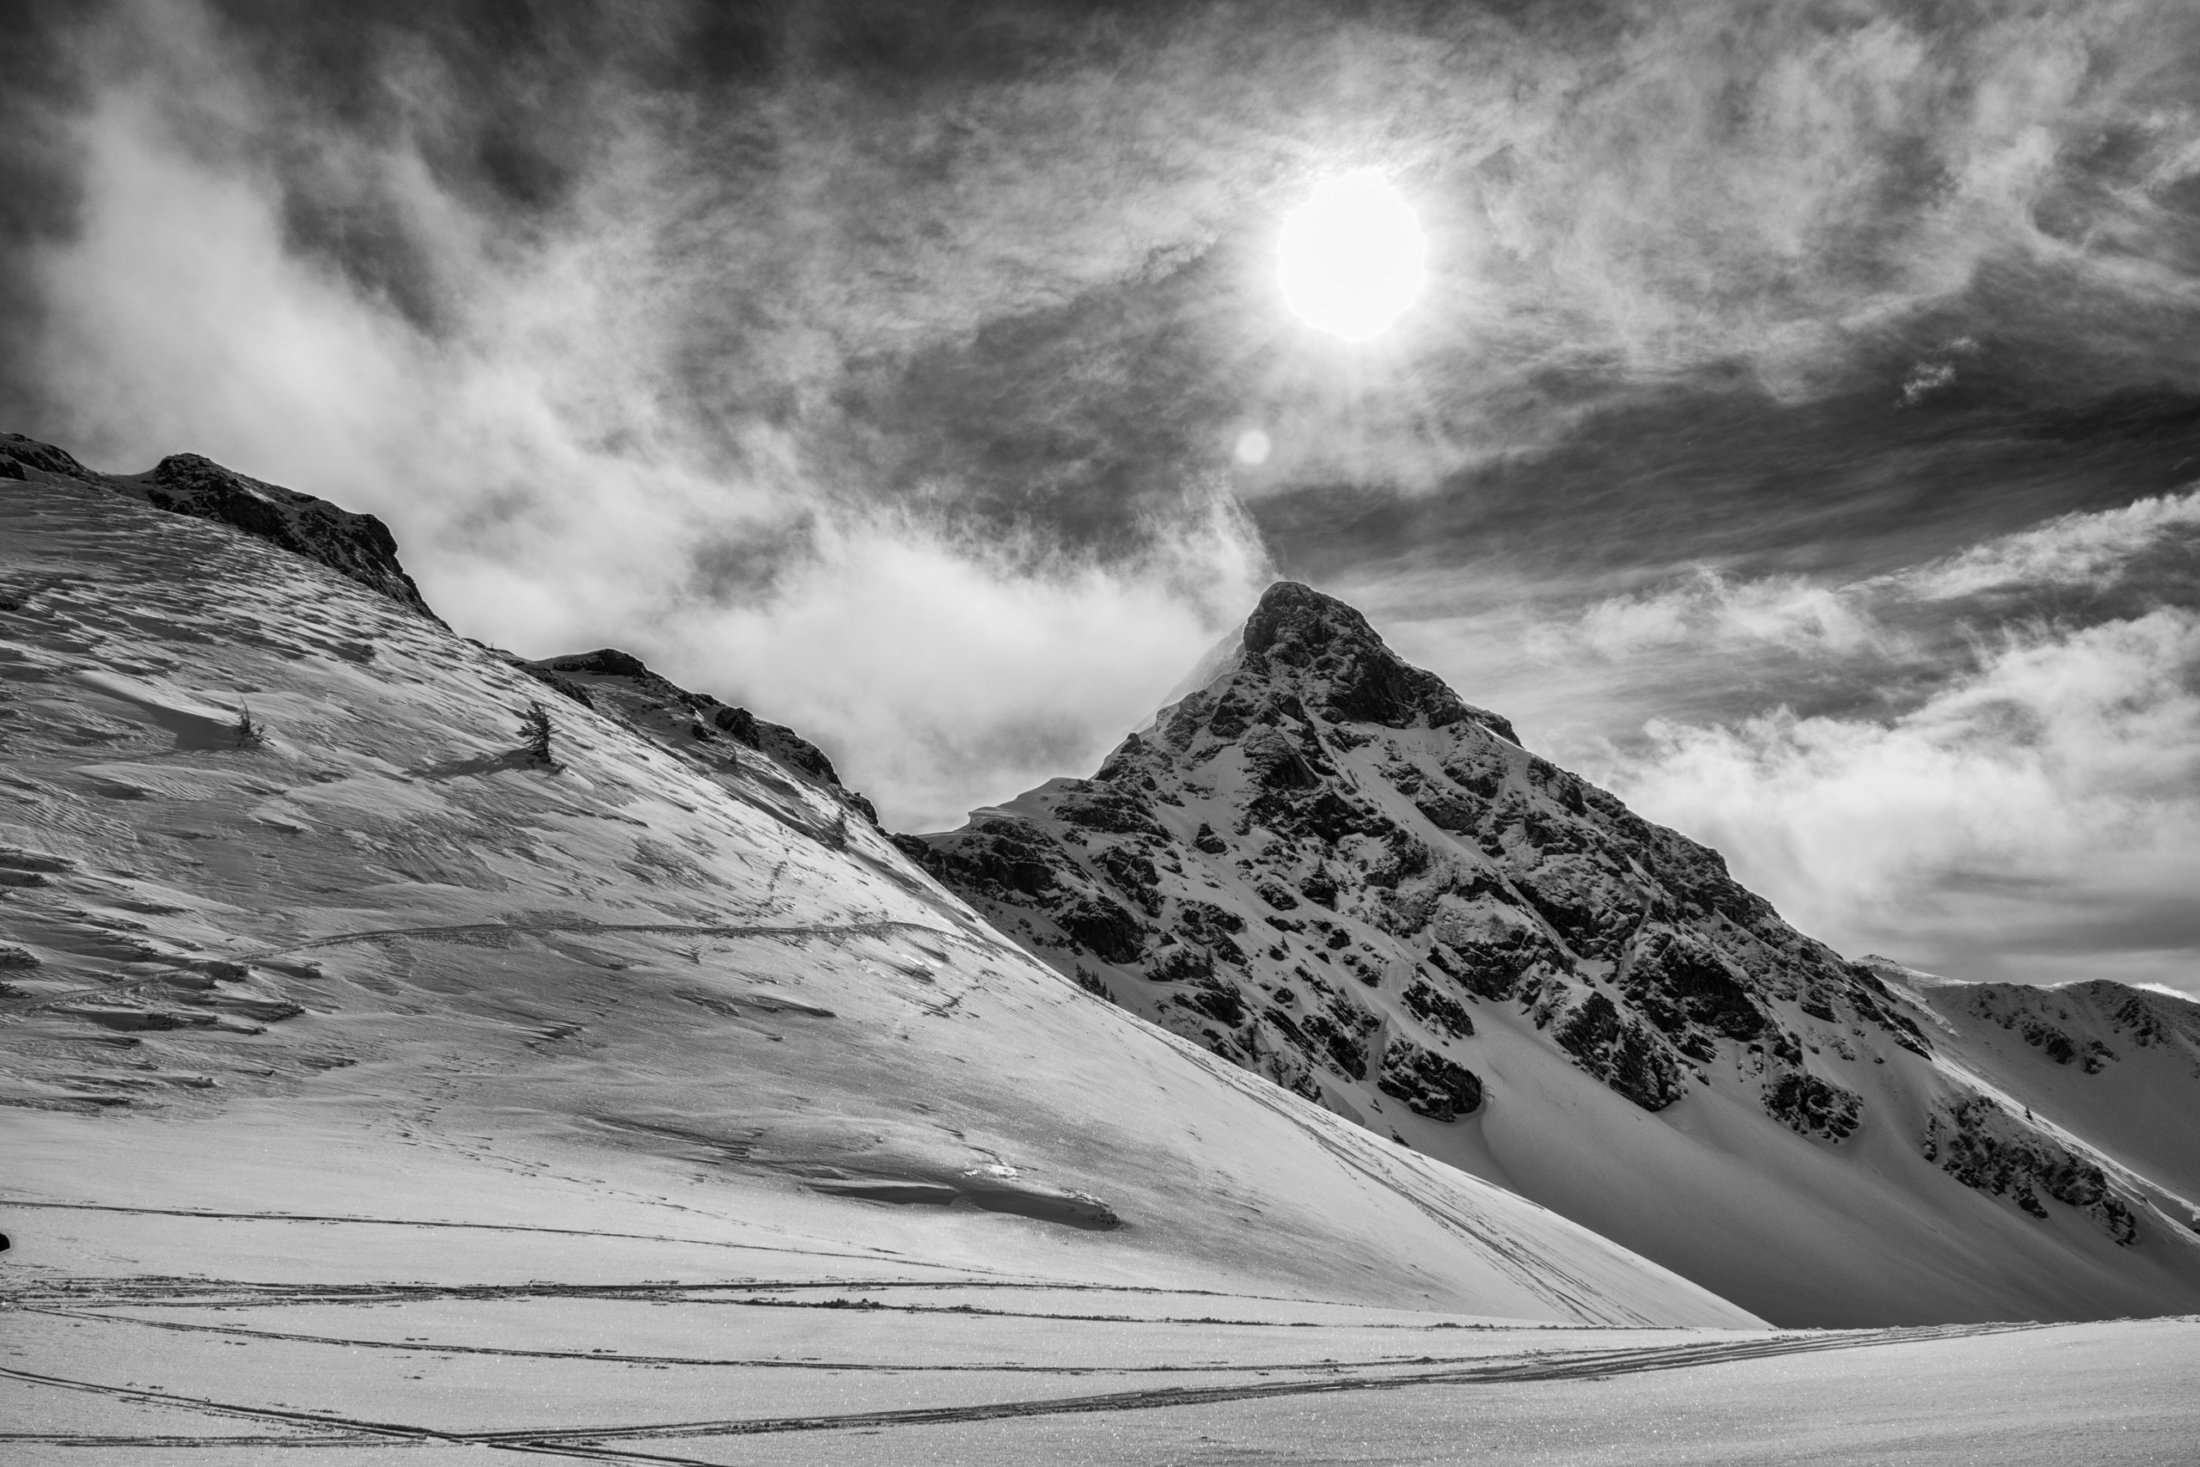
[280, 878]
[358, 546]
[1325, 867]
[694, 725]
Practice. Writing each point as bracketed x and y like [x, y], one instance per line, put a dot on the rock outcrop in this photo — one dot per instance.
[358, 546]
[695, 725]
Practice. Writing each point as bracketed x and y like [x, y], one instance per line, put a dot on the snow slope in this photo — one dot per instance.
[1325, 867]
[2117, 1067]
[382, 932]
[357, 546]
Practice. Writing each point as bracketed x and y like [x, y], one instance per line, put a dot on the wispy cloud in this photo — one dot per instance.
[955, 672]
[2057, 788]
[1708, 610]
[2070, 550]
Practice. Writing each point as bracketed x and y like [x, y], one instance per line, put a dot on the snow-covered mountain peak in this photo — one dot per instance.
[1306, 649]
[1325, 866]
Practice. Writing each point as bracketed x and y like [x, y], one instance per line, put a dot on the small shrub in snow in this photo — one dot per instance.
[251, 734]
[534, 732]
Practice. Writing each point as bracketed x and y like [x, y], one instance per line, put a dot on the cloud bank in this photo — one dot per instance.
[2037, 818]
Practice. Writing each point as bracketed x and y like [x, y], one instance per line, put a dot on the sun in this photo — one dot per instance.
[1352, 257]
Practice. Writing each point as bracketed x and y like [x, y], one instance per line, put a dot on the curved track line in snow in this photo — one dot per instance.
[1586, 1365]
[594, 1442]
[156, 1292]
[1542, 1276]
[310, 1419]
[579, 926]
[760, 1362]
[882, 1256]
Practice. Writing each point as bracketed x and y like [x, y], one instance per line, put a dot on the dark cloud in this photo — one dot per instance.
[1843, 485]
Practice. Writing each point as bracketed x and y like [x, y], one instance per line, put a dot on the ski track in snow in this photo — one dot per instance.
[589, 1441]
[881, 1255]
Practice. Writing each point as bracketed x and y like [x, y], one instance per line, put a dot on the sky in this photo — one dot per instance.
[1798, 430]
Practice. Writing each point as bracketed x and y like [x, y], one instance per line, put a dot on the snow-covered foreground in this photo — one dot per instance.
[314, 1286]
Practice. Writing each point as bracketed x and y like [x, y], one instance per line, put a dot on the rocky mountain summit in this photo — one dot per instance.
[1387, 857]
[355, 545]
[1326, 867]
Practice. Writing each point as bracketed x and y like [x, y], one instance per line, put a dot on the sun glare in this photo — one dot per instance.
[1352, 257]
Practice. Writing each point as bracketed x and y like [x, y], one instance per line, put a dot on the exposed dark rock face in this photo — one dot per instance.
[358, 545]
[1810, 1106]
[1622, 1052]
[1438, 1010]
[22, 458]
[1358, 679]
[2023, 1011]
[622, 686]
[1429, 1084]
[1984, 1147]
[1105, 930]
[1678, 982]
[355, 545]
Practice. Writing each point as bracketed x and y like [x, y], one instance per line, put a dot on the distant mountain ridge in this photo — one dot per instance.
[1328, 868]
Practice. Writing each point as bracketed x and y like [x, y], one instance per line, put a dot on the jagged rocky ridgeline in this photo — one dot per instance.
[355, 545]
[696, 725]
[1327, 867]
